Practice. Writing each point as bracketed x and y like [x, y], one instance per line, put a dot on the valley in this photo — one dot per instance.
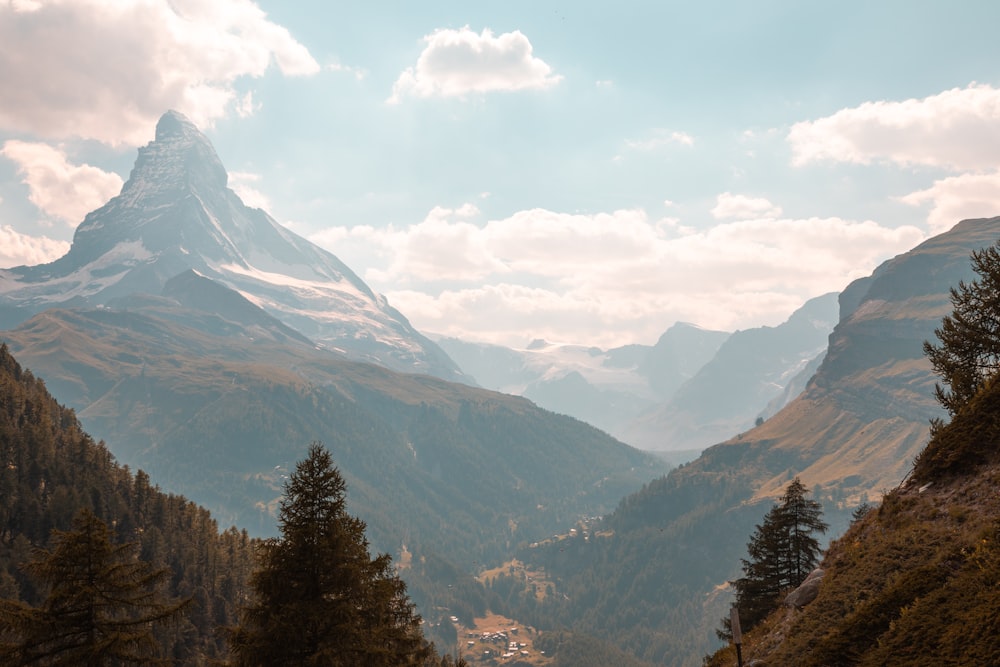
[552, 505]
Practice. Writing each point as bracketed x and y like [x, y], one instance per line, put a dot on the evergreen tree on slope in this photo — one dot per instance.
[782, 551]
[321, 599]
[968, 349]
[100, 609]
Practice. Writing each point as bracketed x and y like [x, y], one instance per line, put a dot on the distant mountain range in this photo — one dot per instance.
[752, 375]
[694, 388]
[175, 214]
[606, 388]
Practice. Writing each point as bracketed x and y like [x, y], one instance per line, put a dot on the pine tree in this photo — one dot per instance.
[968, 353]
[101, 606]
[782, 551]
[801, 518]
[321, 599]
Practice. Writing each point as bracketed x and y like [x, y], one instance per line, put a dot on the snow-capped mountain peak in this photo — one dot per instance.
[175, 213]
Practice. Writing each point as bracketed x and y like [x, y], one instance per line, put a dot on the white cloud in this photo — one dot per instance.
[107, 69]
[958, 129]
[658, 139]
[60, 189]
[957, 198]
[20, 249]
[246, 106]
[243, 184]
[455, 63]
[611, 278]
[728, 205]
[358, 73]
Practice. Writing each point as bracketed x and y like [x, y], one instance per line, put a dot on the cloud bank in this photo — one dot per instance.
[18, 249]
[728, 205]
[957, 198]
[957, 130]
[455, 63]
[610, 278]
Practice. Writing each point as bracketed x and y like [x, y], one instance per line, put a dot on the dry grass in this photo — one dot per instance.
[914, 583]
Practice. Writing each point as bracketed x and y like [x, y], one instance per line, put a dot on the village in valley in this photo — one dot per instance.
[496, 640]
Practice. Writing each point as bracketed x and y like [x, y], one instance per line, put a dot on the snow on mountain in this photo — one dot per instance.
[175, 213]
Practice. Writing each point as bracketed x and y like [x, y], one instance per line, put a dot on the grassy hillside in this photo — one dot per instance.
[916, 581]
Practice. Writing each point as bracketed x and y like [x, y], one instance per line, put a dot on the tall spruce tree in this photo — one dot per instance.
[968, 353]
[100, 609]
[320, 598]
[782, 551]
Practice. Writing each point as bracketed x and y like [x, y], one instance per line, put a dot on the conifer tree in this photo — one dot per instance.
[801, 518]
[321, 599]
[100, 609]
[968, 353]
[782, 551]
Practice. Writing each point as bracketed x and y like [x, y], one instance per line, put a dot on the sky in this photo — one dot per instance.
[582, 172]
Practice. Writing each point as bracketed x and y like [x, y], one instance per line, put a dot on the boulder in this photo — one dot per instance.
[807, 590]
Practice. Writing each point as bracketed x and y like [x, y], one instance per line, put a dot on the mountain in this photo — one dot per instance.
[605, 388]
[677, 356]
[727, 394]
[174, 215]
[652, 576]
[864, 416]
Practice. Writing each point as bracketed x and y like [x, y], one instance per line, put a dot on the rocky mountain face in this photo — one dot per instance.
[175, 214]
[864, 416]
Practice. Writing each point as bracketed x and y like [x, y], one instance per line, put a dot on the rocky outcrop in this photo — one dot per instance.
[807, 590]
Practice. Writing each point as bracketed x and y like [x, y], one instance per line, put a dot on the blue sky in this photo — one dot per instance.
[581, 172]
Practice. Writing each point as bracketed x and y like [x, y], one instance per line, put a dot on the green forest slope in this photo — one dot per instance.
[50, 469]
